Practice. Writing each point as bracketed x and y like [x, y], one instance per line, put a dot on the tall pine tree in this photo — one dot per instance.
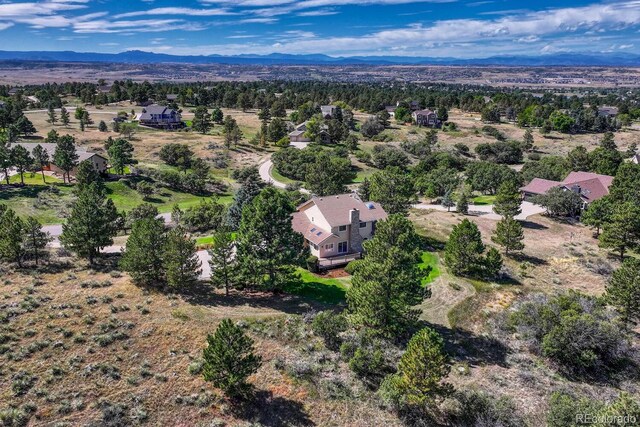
[180, 259]
[142, 257]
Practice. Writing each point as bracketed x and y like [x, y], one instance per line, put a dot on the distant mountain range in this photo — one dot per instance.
[140, 57]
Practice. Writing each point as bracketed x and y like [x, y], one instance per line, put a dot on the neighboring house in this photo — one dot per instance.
[14, 91]
[104, 89]
[172, 97]
[425, 118]
[328, 111]
[100, 163]
[606, 111]
[160, 116]
[414, 105]
[391, 109]
[336, 226]
[298, 134]
[33, 99]
[590, 186]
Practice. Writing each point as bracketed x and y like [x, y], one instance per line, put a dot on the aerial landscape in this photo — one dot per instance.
[320, 213]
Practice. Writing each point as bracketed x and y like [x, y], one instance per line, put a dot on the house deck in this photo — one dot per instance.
[337, 261]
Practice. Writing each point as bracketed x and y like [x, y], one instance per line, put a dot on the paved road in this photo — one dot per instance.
[265, 169]
[486, 211]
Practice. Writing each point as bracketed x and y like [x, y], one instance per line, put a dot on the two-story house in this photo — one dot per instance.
[336, 226]
[160, 116]
[100, 163]
[425, 118]
[328, 111]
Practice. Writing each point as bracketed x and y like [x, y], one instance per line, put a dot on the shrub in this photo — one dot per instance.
[328, 325]
[312, 264]
[477, 408]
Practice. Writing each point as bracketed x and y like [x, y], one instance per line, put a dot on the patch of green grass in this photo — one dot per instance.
[281, 178]
[483, 200]
[208, 240]
[127, 170]
[362, 174]
[430, 262]
[34, 179]
[25, 202]
[316, 287]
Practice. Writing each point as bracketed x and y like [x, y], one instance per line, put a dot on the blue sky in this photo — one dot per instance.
[443, 28]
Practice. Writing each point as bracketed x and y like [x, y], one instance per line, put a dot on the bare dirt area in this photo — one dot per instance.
[80, 345]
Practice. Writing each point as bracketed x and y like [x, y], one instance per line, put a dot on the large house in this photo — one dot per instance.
[590, 186]
[334, 227]
[160, 116]
[298, 134]
[328, 111]
[100, 163]
[425, 118]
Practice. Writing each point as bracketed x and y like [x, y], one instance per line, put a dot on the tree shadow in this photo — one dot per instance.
[520, 257]
[533, 225]
[467, 347]
[204, 294]
[266, 409]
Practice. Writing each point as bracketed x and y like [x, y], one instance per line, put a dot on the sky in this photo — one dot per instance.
[432, 28]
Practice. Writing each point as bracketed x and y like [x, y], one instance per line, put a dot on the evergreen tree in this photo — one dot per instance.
[229, 359]
[217, 116]
[597, 214]
[447, 201]
[102, 126]
[266, 241]
[35, 240]
[508, 200]
[328, 175]
[462, 204]
[64, 116]
[142, 257]
[623, 290]
[386, 284]
[21, 160]
[492, 263]
[579, 159]
[608, 141]
[202, 120]
[246, 193]
[223, 261]
[527, 140]
[231, 131]
[464, 249]
[393, 189]
[422, 370]
[5, 159]
[65, 156]
[40, 159]
[364, 190]
[92, 223]
[180, 259]
[11, 236]
[509, 235]
[51, 114]
[120, 155]
[86, 174]
[622, 231]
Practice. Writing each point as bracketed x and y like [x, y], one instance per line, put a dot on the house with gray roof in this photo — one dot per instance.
[334, 227]
[100, 163]
[160, 116]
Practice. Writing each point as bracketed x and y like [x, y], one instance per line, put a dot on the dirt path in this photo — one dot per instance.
[443, 298]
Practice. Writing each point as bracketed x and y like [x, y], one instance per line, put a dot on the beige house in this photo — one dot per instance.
[100, 163]
[336, 226]
[298, 134]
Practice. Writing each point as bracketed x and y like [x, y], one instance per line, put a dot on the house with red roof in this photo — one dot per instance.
[590, 186]
[334, 227]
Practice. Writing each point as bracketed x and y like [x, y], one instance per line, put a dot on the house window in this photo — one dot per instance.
[329, 247]
[363, 224]
[342, 228]
[343, 247]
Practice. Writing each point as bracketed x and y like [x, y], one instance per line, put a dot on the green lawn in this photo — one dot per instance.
[277, 177]
[208, 240]
[362, 174]
[316, 287]
[429, 261]
[483, 200]
[34, 179]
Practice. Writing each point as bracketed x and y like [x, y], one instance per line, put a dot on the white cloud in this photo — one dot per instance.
[178, 11]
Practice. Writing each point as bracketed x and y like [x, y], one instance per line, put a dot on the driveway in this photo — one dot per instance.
[486, 211]
[265, 169]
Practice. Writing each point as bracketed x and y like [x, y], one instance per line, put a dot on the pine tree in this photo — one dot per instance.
[597, 214]
[462, 205]
[86, 174]
[5, 160]
[35, 240]
[623, 290]
[386, 284]
[393, 189]
[92, 224]
[64, 116]
[266, 240]
[223, 261]
[142, 257]
[246, 193]
[40, 159]
[229, 359]
[120, 155]
[21, 160]
[52, 118]
[622, 231]
[11, 236]
[509, 235]
[180, 260]
[492, 263]
[422, 370]
[527, 140]
[447, 201]
[65, 156]
[201, 120]
[464, 249]
[508, 200]
[102, 126]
